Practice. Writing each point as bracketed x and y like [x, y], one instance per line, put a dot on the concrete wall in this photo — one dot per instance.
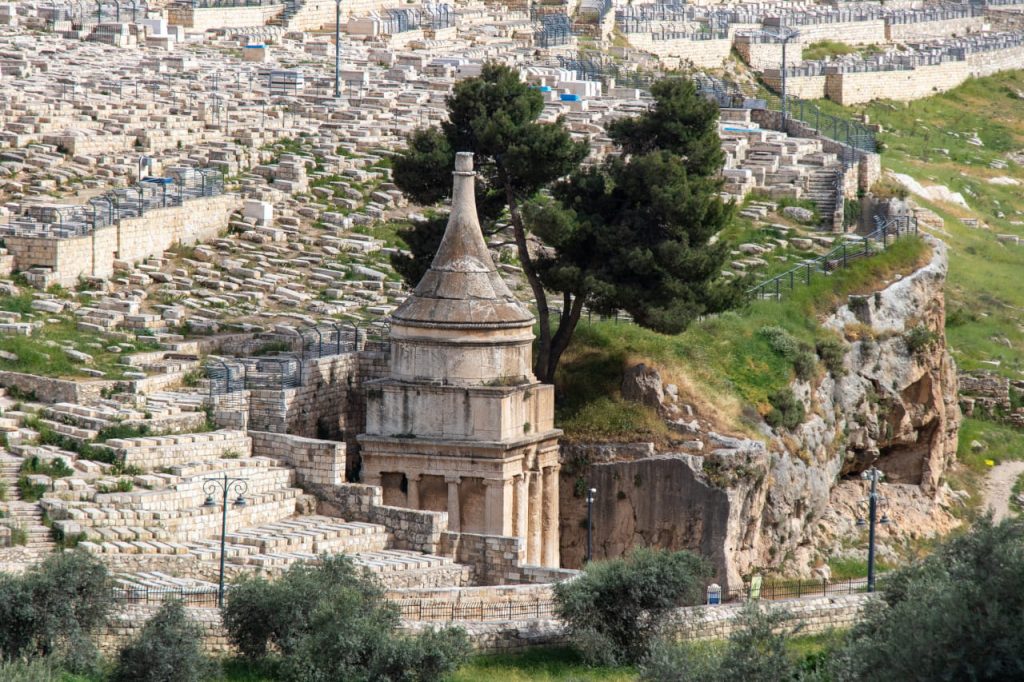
[849, 32]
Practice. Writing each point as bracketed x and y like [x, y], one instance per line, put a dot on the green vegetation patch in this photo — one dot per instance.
[724, 364]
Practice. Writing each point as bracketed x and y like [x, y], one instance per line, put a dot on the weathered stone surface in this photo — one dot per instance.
[642, 384]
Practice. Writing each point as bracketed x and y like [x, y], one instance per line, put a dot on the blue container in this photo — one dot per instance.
[569, 98]
[545, 88]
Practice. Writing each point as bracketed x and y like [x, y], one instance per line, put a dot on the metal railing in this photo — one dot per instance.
[199, 596]
[443, 611]
[836, 259]
[778, 590]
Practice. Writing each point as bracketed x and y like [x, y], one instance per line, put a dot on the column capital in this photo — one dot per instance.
[414, 476]
[452, 479]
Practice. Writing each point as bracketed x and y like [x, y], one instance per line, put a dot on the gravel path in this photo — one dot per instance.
[998, 485]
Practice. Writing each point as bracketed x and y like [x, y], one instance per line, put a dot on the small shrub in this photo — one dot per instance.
[615, 608]
[19, 536]
[755, 652]
[920, 339]
[4, 490]
[30, 492]
[832, 353]
[787, 411]
[805, 364]
[169, 649]
[55, 468]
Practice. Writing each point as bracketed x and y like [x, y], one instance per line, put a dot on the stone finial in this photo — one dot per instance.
[464, 162]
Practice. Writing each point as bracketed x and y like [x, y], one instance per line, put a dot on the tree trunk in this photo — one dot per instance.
[570, 317]
[541, 362]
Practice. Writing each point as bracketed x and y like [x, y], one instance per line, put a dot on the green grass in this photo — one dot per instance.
[928, 140]
[846, 569]
[1000, 443]
[42, 353]
[826, 48]
[538, 665]
[1018, 489]
[722, 364]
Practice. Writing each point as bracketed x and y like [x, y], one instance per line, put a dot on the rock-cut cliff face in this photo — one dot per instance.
[749, 505]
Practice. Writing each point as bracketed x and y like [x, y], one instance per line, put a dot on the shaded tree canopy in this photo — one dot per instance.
[630, 234]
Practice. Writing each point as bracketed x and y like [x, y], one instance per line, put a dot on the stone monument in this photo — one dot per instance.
[461, 424]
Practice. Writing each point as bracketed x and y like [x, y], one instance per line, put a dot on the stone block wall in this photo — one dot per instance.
[692, 623]
[153, 452]
[50, 390]
[930, 30]
[759, 55]
[315, 461]
[804, 87]
[198, 220]
[981, 64]
[903, 86]
[410, 528]
[132, 239]
[702, 54]
[127, 620]
[206, 18]
[849, 32]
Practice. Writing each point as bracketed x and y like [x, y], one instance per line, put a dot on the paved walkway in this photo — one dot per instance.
[998, 485]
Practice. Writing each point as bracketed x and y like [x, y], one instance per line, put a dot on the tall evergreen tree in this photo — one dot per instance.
[633, 234]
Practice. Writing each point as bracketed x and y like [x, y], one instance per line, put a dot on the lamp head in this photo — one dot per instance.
[209, 501]
[240, 501]
[861, 522]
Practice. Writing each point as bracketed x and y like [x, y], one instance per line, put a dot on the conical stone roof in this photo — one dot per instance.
[462, 288]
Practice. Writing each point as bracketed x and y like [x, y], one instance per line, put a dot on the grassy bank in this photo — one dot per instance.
[723, 365]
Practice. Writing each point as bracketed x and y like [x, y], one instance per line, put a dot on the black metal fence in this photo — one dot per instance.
[430, 610]
[836, 259]
[199, 596]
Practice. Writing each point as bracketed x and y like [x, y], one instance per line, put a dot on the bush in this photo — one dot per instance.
[920, 339]
[787, 412]
[789, 347]
[956, 615]
[832, 353]
[53, 610]
[329, 622]
[755, 652]
[615, 608]
[169, 649]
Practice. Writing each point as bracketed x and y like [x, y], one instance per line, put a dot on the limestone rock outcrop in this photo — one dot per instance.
[750, 505]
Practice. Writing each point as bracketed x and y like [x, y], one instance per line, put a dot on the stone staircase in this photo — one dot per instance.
[822, 191]
[26, 515]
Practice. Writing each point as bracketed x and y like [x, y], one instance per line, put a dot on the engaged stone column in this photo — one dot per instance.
[454, 511]
[521, 523]
[496, 520]
[549, 552]
[413, 494]
[533, 539]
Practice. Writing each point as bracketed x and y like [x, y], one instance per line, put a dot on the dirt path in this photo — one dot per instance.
[998, 485]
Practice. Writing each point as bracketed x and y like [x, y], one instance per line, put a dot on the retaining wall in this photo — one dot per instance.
[315, 461]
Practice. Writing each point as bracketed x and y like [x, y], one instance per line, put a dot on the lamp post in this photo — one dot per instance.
[785, 34]
[873, 475]
[225, 484]
[337, 49]
[591, 492]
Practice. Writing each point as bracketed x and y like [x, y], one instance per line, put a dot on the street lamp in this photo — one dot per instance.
[785, 34]
[237, 486]
[590, 523]
[873, 475]
[337, 49]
